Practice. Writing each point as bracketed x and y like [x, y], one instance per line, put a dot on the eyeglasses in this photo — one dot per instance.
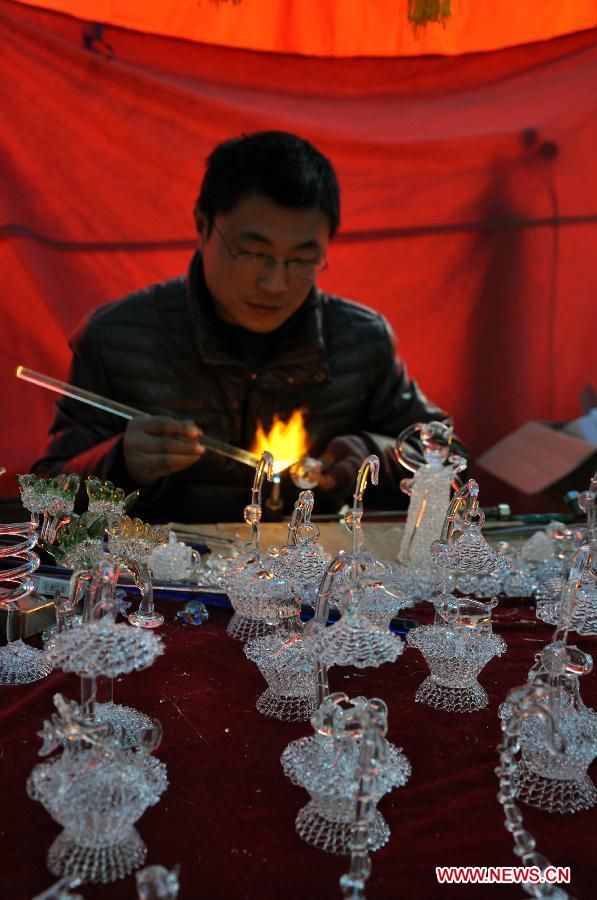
[258, 264]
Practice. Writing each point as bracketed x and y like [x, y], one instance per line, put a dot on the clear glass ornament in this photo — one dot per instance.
[157, 883]
[289, 670]
[52, 498]
[354, 639]
[461, 641]
[302, 561]
[526, 703]
[130, 542]
[102, 648]
[96, 791]
[561, 783]
[107, 500]
[19, 663]
[245, 582]
[261, 601]
[549, 601]
[456, 649]
[174, 561]
[429, 490]
[328, 766]
[61, 890]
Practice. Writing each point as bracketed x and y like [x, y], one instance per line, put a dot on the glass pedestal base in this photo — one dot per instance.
[21, 664]
[553, 794]
[468, 698]
[96, 864]
[288, 709]
[334, 837]
[146, 620]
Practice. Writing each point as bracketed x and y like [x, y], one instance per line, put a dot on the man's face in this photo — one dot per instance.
[260, 300]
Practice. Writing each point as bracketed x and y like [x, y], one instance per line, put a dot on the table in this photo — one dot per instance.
[228, 814]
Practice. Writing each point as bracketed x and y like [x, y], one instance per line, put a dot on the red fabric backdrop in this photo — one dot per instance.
[469, 212]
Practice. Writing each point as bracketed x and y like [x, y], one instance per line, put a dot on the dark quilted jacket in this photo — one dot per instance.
[159, 351]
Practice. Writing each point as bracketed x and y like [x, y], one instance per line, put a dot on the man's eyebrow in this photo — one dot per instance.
[311, 244]
[254, 236]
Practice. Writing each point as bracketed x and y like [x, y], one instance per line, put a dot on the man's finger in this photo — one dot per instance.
[152, 445]
[161, 425]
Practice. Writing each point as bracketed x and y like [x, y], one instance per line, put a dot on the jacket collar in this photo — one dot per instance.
[302, 341]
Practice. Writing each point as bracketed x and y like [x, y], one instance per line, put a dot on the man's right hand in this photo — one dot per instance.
[155, 446]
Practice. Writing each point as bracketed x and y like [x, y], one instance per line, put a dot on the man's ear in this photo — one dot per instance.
[202, 227]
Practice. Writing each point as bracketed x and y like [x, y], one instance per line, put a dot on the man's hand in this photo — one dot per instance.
[340, 464]
[155, 446]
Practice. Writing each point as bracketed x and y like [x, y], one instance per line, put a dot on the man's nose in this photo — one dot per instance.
[275, 278]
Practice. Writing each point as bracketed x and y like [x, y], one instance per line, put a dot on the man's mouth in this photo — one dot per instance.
[265, 307]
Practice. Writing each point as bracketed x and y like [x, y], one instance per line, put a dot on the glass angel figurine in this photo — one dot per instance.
[328, 766]
[435, 471]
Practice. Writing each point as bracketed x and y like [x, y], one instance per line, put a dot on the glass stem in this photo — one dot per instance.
[13, 622]
[143, 581]
[88, 696]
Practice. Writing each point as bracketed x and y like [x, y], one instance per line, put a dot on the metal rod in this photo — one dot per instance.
[126, 412]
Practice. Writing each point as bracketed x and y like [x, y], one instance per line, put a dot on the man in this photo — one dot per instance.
[245, 336]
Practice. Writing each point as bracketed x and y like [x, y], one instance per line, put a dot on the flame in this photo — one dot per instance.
[286, 441]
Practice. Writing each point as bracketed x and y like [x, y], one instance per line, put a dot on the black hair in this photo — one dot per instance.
[283, 167]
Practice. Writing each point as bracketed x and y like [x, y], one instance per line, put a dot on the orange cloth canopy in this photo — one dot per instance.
[339, 27]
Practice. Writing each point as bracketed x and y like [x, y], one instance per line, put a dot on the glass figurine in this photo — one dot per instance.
[369, 469]
[174, 561]
[106, 500]
[371, 757]
[329, 766]
[157, 883]
[290, 671]
[61, 890]
[130, 542]
[302, 561]
[528, 703]
[456, 648]
[77, 541]
[102, 648]
[354, 640]
[466, 558]
[96, 791]
[54, 498]
[553, 594]
[460, 642]
[429, 490]
[379, 595]
[19, 663]
[259, 599]
[560, 783]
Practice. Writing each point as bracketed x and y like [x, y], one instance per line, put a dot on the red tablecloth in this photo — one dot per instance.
[228, 814]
